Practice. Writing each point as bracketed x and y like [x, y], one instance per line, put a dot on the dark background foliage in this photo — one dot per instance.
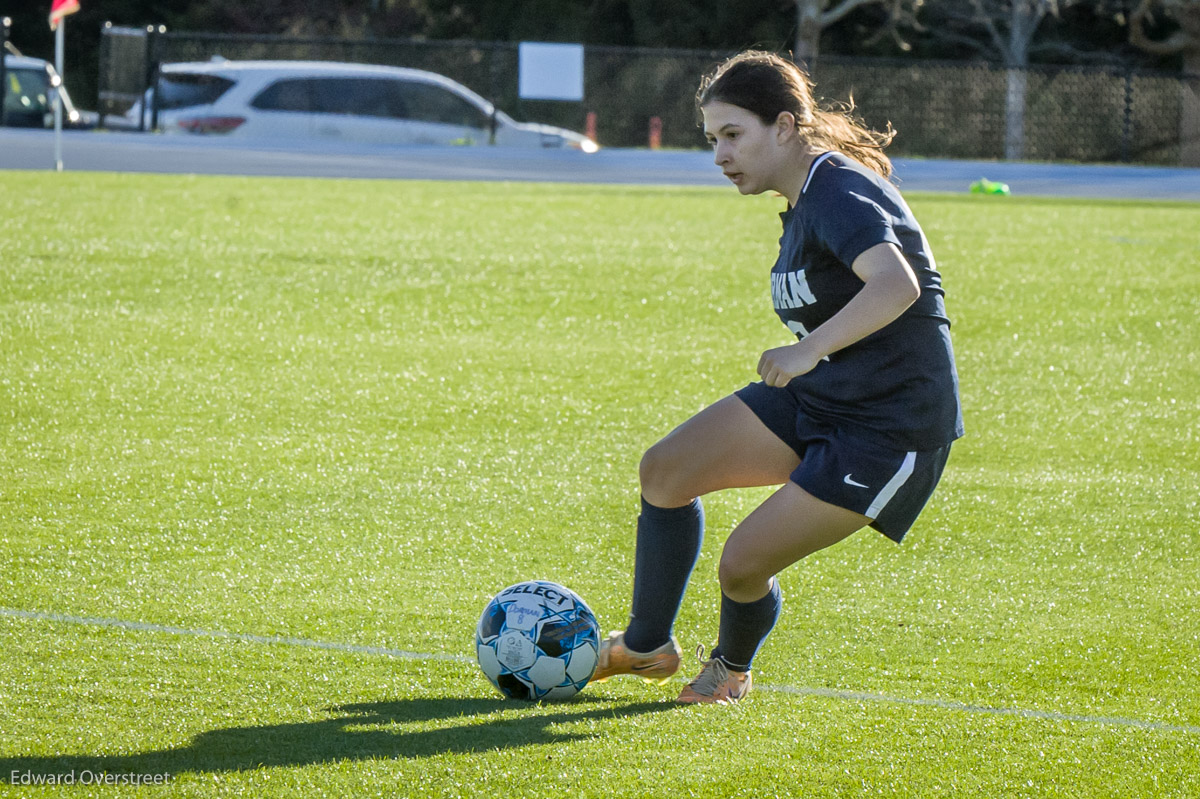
[1090, 32]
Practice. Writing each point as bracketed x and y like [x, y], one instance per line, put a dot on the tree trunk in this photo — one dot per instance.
[808, 33]
[1189, 110]
[1014, 113]
[1186, 42]
[1024, 17]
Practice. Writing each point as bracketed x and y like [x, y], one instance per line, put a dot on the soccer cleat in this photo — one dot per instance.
[654, 666]
[716, 684]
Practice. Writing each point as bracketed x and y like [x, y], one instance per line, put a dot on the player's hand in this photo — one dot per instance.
[778, 366]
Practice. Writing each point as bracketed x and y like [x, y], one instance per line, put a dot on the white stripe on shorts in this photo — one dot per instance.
[889, 490]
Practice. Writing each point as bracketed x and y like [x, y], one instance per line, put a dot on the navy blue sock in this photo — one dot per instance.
[668, 544]
[744, 627]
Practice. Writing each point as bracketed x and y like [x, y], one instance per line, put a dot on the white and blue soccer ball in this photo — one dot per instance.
[537, 640]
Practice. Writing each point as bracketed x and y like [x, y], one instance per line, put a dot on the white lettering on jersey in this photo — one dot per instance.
[798, 329]
[801, 331]
[790, 290]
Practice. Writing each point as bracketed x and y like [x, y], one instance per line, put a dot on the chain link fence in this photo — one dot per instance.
[964, 110]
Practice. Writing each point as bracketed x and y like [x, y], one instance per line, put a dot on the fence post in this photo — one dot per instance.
[494, 79]
[152, 72]
[105, 61]
[1189, 119]
[5, 24]
[1127, 122]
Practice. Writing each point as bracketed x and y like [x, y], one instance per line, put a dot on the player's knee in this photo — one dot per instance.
[740, 576]
[653, 466]
[662, 476]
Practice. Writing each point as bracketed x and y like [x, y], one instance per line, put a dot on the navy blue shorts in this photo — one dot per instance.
[888, 486]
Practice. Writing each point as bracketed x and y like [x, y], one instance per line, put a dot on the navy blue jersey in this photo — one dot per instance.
[898, 386]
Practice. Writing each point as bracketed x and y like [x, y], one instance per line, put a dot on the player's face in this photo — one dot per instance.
[747, 151]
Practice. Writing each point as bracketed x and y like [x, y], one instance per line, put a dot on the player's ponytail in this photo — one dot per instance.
[766, 85]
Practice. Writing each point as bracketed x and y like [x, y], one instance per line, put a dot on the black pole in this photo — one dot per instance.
[153, 47]
[1127, 122]
[5, 24]
[494, 75]
[105, 78]
[150, 79]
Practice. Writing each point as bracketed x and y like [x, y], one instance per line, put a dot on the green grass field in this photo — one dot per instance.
[243, 421]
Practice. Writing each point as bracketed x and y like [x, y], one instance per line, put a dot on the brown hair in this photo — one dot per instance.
[766, 85]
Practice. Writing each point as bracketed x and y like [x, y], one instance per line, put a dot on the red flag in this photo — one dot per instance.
[59, 9]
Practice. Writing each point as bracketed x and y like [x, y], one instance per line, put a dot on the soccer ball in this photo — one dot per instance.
[537, 640]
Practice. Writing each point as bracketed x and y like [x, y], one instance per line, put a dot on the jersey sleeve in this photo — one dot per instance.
[852, 221]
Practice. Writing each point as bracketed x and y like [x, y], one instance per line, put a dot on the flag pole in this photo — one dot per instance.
[58, 105]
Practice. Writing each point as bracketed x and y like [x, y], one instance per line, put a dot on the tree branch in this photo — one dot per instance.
[985, 18]
[1177, 42]
[832, 15]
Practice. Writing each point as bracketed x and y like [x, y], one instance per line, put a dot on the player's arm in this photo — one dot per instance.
[889, 288]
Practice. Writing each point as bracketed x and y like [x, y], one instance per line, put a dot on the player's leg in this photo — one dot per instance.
[724, 446]
[789, 526]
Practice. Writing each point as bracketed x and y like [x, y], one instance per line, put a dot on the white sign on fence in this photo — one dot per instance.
[550, 71]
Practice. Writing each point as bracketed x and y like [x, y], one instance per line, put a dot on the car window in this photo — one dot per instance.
[431, 103]
[286, 95]
[28, 91]
[372, 97]
[183, 90]
[367, 97]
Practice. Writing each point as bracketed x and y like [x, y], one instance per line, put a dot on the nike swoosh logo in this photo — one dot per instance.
[645, 666]
[850, 481]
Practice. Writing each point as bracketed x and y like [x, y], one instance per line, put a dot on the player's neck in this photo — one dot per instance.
[797, 176]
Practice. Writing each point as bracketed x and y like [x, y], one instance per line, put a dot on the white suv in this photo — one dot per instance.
[319, 100]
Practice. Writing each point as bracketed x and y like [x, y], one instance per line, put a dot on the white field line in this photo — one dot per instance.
[846, 696]
[945, 704]
[253, 639]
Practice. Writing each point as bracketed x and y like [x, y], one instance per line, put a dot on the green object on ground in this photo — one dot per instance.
[985, 186]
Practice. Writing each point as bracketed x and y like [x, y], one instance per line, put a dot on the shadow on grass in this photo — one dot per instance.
[356, 732]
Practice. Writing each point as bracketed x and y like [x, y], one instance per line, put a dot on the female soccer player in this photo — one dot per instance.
[854, 420]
